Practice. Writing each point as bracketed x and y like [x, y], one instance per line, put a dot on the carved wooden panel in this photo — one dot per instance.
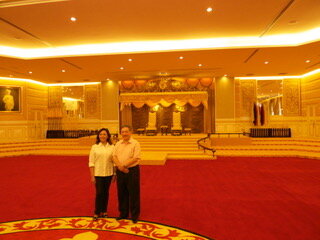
[139, 117]
[164, 116]
[193, 118]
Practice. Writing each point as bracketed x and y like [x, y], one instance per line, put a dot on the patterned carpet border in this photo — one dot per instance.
[142, 228]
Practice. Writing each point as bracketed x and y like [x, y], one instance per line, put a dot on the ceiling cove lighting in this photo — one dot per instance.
[72, 99]
[72, 84]
[23, 80]
[295, 39]
[280, 77]
[17, 3]
[47, 84]
[93, 83]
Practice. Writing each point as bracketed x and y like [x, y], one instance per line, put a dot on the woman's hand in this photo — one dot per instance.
[93, 180]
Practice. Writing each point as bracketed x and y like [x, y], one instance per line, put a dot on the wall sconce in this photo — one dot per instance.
[155, 108]
[180, 108]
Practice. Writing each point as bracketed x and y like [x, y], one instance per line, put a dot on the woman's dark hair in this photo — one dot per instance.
[108, 134]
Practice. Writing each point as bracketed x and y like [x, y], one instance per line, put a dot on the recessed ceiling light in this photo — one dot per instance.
[181, 57]
[209, 9]
[293, 22]
[63, 70]
[226, 75]
[200, 65]
[130, 59]
[266, 62]
[163, 73]
[30, 72]
[307, 61]
[73, 19]
[121, 68]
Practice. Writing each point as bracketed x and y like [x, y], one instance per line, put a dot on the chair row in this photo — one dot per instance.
[164, 130]
[176, 128]
[70, 133]
[270, 132]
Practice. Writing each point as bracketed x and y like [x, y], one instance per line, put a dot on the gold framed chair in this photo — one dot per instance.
[176, 129]
[151, 129]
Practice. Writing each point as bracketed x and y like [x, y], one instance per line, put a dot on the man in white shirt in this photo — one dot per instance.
[126, 156]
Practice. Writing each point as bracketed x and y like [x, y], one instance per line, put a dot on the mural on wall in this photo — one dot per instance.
[10, 99]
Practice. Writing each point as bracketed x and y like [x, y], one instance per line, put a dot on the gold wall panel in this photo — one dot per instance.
[310, 95]
[55, 102]
[92, 101]
[237, 98]
[291, 97]
[247, 97]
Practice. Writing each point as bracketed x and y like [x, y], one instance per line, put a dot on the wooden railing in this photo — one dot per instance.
[207, 148]
[203, 147]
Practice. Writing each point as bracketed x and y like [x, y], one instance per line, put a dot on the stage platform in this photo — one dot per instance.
[157, 149]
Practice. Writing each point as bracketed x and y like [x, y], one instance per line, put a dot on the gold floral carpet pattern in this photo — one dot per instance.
[84, 228]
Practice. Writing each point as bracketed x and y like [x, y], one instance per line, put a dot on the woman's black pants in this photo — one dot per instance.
[102, 194]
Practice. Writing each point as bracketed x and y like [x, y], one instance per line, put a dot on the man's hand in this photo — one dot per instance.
[123, 169]
[114, 178]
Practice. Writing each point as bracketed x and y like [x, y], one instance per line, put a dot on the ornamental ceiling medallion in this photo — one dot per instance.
[163, 83]
[151, 85]
[176, 85]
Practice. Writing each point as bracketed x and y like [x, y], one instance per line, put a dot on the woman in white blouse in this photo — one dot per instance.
[101, 170]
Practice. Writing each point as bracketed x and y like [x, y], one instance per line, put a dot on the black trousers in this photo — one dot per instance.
[102, 194]
[128, 185]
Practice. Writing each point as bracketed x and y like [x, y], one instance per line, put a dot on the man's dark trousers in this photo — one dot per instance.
[128, 185]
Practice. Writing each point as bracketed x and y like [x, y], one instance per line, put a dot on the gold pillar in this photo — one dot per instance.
[110, 105]
[225, 97]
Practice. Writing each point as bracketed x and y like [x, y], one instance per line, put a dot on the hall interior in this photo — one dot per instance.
[176, 72]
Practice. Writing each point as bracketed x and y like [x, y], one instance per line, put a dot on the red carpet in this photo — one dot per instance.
[225, 199]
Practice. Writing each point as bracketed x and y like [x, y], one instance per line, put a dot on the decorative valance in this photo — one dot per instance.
[164, 98]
